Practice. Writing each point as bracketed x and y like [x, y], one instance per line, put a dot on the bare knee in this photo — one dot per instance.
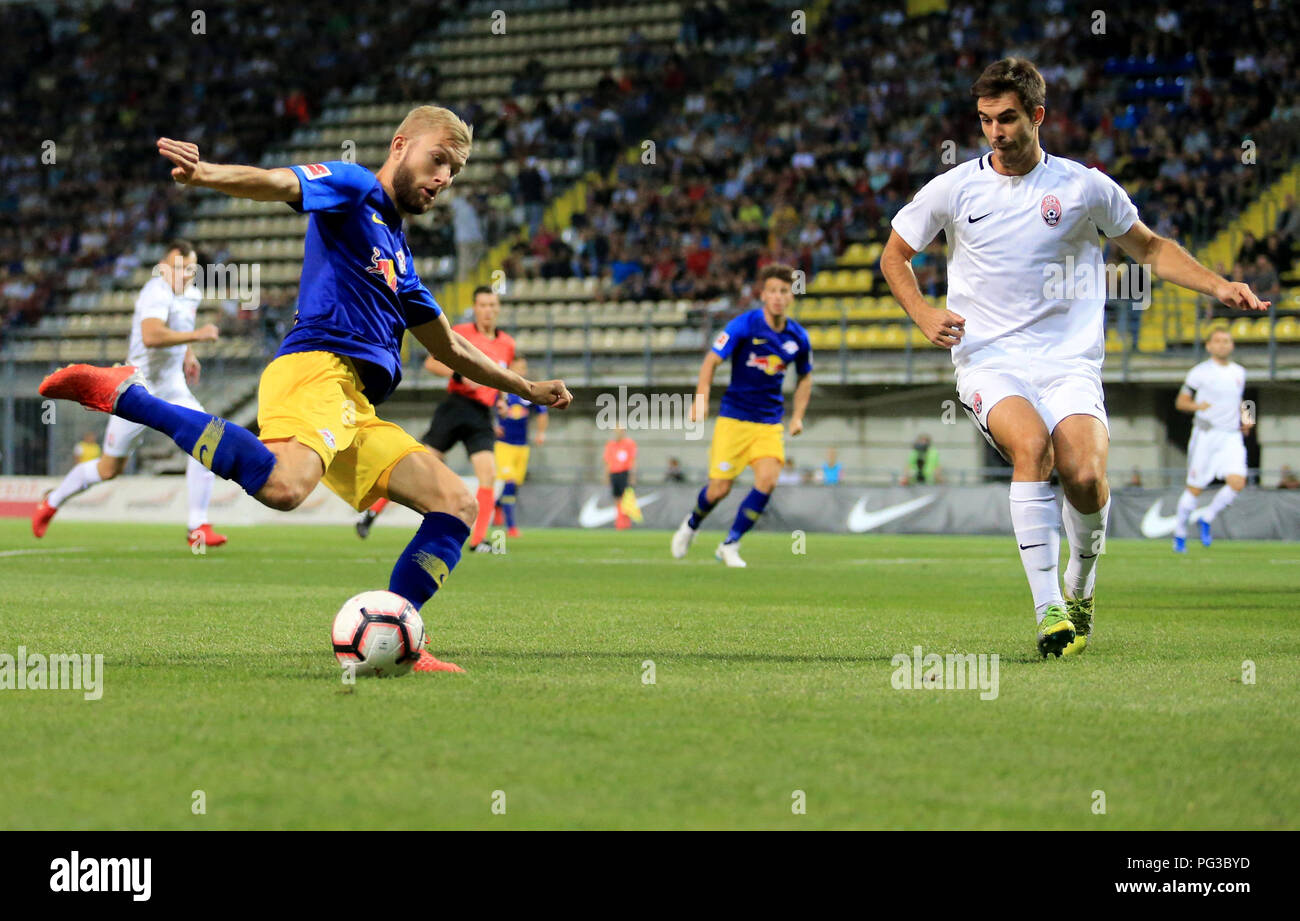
[283, 493]
[110, 467]
[718, 490]
[1032, 455]
[464, 505]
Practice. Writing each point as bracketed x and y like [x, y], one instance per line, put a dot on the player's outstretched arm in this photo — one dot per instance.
[942, 327]
[802, 394]
[700, 405]
[1173, 264]
[240, 181]
[155, 334]
[458, 353]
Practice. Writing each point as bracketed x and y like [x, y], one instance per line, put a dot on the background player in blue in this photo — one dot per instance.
[358, 294]
[761, 344]
[512, 450]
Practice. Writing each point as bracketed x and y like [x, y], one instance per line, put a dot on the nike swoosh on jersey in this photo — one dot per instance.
[973, 219]
[1154, 524]
[593, 516]
[862, 520]
[374, 216]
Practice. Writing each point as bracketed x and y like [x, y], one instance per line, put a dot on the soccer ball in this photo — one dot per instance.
[378, 633]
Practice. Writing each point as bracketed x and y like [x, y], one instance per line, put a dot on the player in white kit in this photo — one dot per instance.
[162, 329]
[1216, 451]
[1026, 335]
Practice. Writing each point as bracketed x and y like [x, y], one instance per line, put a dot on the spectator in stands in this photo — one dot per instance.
[1249, 250]
[1264, 280]
[1289, 480]
[1288, 222]
[789, 475]
[532, 186]
[922, 464]
[1135, 478]
[674, 473]
[468, 230]
[87, 449]
[832, 469]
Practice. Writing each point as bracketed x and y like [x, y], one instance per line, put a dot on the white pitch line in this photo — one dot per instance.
[43, 550]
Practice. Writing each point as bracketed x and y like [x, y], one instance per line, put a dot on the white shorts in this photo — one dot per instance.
[1213, 454]
[1055, 393]
[121, 437]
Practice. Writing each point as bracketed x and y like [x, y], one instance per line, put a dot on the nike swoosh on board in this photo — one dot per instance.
[1154, 524]
[593, 516]
[862, 520]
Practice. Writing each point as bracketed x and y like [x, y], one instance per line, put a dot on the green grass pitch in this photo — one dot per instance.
[219, 678]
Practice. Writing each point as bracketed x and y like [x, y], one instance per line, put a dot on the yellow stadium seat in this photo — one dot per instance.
[893, 337]
[1262, 328]
[1288, 330]
[1242, 329]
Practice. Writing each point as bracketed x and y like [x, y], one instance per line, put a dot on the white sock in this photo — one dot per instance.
[1087, 535]
[79, 479]
[1222, 499]
[1036, 520]
[199, 480]
[1186, 505]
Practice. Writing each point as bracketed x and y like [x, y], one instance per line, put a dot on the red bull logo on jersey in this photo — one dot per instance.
[1051, 209]
[517, 411]
[768, 364]
[382, 267]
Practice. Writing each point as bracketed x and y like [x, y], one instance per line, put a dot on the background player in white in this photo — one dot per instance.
[1028, 358]
[1216, 451]
[162, 330]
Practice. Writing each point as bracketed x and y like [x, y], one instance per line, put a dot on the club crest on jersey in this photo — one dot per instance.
[382, 267]
[1051, 209]
[789, 347]
[978, 404]
[768, 364]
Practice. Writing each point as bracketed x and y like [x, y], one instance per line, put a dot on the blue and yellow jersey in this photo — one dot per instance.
[513, 418]
[359, 290]
[759, 357]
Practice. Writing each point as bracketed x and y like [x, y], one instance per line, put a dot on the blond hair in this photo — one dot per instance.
[421, 119]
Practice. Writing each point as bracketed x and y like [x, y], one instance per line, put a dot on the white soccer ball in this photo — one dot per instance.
[378, 633]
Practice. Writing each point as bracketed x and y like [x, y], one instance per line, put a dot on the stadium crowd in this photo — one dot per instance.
[768, 145]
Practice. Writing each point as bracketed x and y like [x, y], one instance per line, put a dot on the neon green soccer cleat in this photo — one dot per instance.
[1080, 611]
[1055, 632]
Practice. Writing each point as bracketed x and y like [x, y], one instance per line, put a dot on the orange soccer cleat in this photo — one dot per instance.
[427, 663]
[41, 517]
[94, 388]
[205, 536]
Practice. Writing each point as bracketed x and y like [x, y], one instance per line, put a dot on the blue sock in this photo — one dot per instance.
[750, 509]
[227, 450]
[702, 508]
[429, 558]
[507, 502]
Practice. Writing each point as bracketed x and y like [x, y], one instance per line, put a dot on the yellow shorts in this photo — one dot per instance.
[316, 398]
[512, 462]
[738, 444]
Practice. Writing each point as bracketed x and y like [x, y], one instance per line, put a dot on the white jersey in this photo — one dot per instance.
[1222, 386]
[162, 367]
[1010, 240]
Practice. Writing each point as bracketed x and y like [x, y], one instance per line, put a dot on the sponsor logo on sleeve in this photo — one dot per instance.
[315, 170]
